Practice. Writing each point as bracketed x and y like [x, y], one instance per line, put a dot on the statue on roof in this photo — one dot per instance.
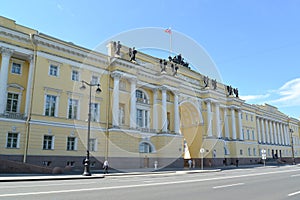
[117, 47]
[132, 53]
[206, 81]
[236, 92]
[214, 83]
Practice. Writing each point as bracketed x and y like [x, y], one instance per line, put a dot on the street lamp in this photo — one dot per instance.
[87, 158]
[292, 144]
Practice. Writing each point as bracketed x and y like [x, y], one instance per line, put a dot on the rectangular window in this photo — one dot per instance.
[53, 70]
[241, 152]
[48, 143]
[93, 144]
[50, 106]
[71, 144]
[73, 109]
[139, 118]
[248, 134]
[75, 75]
[253, 135]
[16, 68]
[95, 80]
[12, 140]
[95, 112]
[12, 102]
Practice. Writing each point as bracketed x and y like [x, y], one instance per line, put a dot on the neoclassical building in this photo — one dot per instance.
[150, 110]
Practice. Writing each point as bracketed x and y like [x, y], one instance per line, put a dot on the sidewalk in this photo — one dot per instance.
[128, 172]
[96, 175]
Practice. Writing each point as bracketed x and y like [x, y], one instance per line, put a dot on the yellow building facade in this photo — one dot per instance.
[150, 112]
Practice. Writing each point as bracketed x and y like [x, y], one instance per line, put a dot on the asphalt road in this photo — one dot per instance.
[270, 183]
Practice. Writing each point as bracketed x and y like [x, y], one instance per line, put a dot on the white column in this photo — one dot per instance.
[29, 85]
[226, 123]
[240, 125]
[155, 122]
[6, 54]
[263, 131]
[209, 119]
[115, 112]
[176, 113]
[218, 121]
[271, 132]
[164, 110]
[275, 133]
[132, 103]
[279, 134]
[233, 124]
[286, 133]
[282, 134]
[258, 130]
[267, 131]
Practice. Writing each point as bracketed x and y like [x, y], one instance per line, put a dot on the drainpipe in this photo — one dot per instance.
[29, 111]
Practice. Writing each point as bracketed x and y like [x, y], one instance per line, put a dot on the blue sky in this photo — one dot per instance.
[255, 44]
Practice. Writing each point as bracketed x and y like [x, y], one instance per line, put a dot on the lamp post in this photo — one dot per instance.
[292, 144]
[86, 171]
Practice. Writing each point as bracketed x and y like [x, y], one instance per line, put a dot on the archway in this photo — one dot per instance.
[191, 127]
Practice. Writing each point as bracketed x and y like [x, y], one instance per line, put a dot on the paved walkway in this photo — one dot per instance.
[129, 172]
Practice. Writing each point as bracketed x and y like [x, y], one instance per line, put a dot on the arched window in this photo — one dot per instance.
[145, 147]
[142, 109]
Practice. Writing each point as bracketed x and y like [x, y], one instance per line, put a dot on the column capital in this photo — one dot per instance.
[132, 79]
[164, 88]
[30, 58]
[116, 75]
[6, 51]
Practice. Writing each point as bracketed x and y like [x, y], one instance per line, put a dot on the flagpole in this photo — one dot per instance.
[170, 43]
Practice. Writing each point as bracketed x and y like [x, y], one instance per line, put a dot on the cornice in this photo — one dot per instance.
[14, 35]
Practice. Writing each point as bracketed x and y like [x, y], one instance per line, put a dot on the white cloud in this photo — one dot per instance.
[289, 94]
[254, 97]
[286, 96]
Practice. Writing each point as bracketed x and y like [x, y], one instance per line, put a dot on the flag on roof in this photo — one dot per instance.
[168, 30]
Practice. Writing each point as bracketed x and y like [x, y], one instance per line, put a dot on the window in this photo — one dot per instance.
[71, 143]
[46, 163]
[50, 107]
[53, 70]
[12, 140]
[145, 147]
[246, 117]
[48, 143]
[95, 80]
[254, 152]
[95, 112]
[253, 135]
[248, 134]
[12, 102]
[139, 118]
[73, 109]
[16, 68]
[141, 97]
[249, 151]
[75, 75]
[71, 163]
[93, 144]
[241, 152]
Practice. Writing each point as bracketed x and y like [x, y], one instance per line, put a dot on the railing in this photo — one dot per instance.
[12, 115]
[141, 100]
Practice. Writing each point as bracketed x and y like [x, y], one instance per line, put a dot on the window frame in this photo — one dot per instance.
[50, 72]
[46, 147]
[50, 107]
[12, 67]
[12, 142]
[71, 145]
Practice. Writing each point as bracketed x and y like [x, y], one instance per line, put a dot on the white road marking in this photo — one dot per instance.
[292, 194]
[146, 185]
[231, 185]
[295, 175]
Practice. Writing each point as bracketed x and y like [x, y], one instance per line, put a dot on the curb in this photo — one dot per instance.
[48, 178]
